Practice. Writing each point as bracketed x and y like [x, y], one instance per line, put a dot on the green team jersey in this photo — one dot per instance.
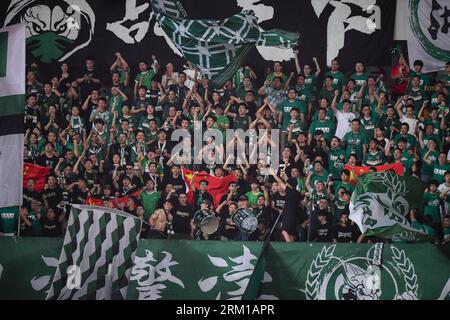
[241, 92]
[310, 83]
[149, 201]
[436, 125]
[426, 139]
[427, 169]
[424, 80]
[338, 79]
[272, 76]
[360, 79]
[326, 126]
[145, 78]
[315, 177]
[411, 140]
[336, 159]
[8, 218]
[253, 197]
[418, 96]
[341, 184]
[241, 122]
[354, 143]
[328, 116]
[434, 100]
[407, 161]
[286, 107]
[117, 103]
[432, 204]
[296, 127]
[387, 124]
[368, 126]
[144, 125]
[439, 171]
[222, 122]
[374, 159]
[327, 94]
[36, 227]
[240, 74]
[46, 101]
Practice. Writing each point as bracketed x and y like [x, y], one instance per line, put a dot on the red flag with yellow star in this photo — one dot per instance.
[356, 171]
[217, 187]
[38, 173]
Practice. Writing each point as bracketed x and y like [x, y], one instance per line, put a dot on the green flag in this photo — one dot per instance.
[97, 255]
[217, 48]
[382, 202]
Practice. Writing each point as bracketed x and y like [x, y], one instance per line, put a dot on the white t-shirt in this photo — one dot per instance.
[344, 123]
[190, 73]
[170, 82]
[412, 122]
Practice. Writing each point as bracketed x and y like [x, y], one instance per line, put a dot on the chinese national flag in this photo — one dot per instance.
[356, 171]
[99, 202]
[38, 173]
[217, 187]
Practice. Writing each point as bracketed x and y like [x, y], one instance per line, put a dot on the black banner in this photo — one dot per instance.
[70, 30]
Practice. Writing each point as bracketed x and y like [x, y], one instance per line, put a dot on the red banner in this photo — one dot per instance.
[38, 173]
[217, 187]
[99, 202]
[355, 171]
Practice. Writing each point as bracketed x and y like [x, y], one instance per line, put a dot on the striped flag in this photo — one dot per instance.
[97, 255]
[12, 101]
[217, 48]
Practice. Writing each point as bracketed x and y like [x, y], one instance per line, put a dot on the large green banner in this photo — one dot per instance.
[358, 271]
[194, 270]
[26, 266]
[190, 270]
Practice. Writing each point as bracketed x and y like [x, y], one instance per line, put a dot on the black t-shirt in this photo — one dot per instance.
[51, 228]
[199, 197]
[292, 201]
[130, 211]
[263, 214]
[242, 187]
[28, 196]
[323, 233]
[178, 183]
[87, 87]
[79, 196]
[182, 219]
[279, 200]
[53, 196]
[344, 234]
[49, 162]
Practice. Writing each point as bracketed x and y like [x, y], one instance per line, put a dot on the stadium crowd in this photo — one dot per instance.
[111, 138]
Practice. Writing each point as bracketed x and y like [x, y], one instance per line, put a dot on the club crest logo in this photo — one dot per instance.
[352, 277]
[54, 29]
[430, 36]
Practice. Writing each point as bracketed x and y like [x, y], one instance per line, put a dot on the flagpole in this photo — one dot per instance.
[18, 222]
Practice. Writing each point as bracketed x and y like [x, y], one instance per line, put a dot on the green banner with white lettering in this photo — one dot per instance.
[26, 266]
[192, 270]
[319, 271]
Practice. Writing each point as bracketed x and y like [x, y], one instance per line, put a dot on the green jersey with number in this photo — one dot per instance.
[354, 143]
[338, 79]
[326, 126]
[360, 79]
